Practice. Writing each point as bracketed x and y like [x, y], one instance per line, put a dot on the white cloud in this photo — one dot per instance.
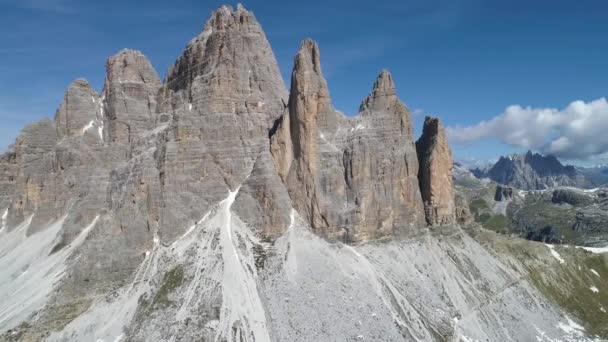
[579, 131]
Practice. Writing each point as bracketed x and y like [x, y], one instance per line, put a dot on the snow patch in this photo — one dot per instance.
[4, 216]
[596, 250]
[595, 272]
[358, 127]
[190, 106]
[571, 328]
[594, 289]
[88, 126]
[555, 254]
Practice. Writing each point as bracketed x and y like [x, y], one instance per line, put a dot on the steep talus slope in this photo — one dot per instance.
[214, 206]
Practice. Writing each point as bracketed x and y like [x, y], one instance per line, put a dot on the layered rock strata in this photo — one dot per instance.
[435, 175]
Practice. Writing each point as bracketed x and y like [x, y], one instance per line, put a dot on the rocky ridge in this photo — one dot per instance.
[200, 206]
[532, 171]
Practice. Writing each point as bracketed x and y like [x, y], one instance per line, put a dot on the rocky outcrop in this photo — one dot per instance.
[129, 96]
[532, 171]
[228, 68]
[435, 173]
[331, 163]
[200, 207]
[8, 175]
[217, 106]
[572, 197]
[503, 193]
[78, 113]
[462, 210]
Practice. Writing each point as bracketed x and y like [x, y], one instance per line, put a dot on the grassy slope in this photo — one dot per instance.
[567, 284]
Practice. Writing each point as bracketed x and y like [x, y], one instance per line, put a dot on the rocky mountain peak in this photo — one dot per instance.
[383, 95]
[435, 173]
[533, 171]
[227, 18]
[214, 208]
[329, 161]
[384, 85]
[383, 101]
[228, 68]
[129, 95]
[308, 58]
[131, 66]
[309, 100]
[77, 110]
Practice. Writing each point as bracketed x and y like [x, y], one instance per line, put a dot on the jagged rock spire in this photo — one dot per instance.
[308, 101]
[330, 163]
[228, 68]
[435, 173]
[383, 95]
[383, 99]
[129, 95]
[77, 110]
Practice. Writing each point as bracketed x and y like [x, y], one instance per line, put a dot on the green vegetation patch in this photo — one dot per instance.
[498, 223]
[580, 288]
[171, 281]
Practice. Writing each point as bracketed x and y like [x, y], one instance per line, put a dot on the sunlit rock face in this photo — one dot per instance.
[353, 179]
[215, 205]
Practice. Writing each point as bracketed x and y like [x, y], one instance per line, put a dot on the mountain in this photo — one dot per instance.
[533, 171]
[598, 174]
[215, 205]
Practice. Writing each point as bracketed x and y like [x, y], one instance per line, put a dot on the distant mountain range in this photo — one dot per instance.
[533, 171]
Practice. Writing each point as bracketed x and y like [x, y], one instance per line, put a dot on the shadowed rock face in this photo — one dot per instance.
[435, 173]
[503, 193]
[353, 179]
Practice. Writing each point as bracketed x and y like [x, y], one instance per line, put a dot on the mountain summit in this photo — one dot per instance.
[532, 171]
[217, 206]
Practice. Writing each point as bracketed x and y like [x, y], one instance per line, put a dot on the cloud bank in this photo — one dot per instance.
[579, 131]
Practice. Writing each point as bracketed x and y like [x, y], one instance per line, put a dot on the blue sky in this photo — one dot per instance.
[462, 60]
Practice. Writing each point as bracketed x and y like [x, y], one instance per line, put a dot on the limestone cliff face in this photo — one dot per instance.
[199, 207]
[435, 173]
[78, 111]
[219, 102]
[352, 179]
[129, 96]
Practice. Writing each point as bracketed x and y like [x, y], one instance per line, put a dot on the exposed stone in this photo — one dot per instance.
[503, 193]
[462, 210]
[78, 111]
[129, 96]
[435, 175]
[331, 163]
[219, 101]
[572, 197]
[532, 171]
[203, 192]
